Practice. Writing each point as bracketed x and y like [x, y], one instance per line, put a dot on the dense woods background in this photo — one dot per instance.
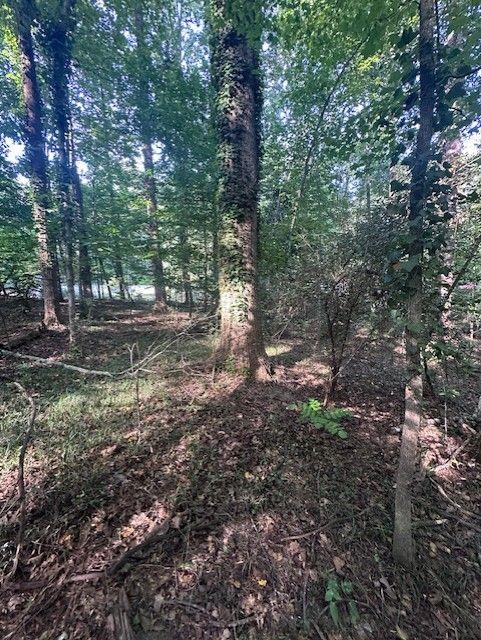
[240, 308]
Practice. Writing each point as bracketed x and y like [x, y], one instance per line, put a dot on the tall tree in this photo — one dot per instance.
[403, 547]
[144, 117]
[36, 156]
[236, 74]
[60, 27]
[57, 30]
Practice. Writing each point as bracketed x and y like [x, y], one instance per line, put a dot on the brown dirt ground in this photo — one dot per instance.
[263, 509]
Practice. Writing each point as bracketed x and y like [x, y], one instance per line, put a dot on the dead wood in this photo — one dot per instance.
[21, 477]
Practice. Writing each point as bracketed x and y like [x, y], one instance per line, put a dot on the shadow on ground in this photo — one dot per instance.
[263, 511]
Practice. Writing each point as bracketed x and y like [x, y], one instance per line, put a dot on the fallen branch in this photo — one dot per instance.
[120, 616]
[452, 458]
[155, 536]
[93, 576]
[44, 362]
[130, 372]
[452, 502]
[21, 476]
[325, 525]
[197, 607]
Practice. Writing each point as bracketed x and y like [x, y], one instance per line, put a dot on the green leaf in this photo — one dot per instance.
[334, 611]
[353, 612]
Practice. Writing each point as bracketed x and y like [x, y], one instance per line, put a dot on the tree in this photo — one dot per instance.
[37, 161]
[57, 32]
[144, 117]
[403, 547]
[236, 73]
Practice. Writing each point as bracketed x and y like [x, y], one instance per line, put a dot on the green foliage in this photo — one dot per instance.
[340, 593]
[323, 418]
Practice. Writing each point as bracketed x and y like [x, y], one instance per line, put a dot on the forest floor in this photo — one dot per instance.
[237, 514]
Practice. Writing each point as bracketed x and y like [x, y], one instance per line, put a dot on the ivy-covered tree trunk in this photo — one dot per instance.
[37, 160]
[403, 544]
[235, 63]
[59, 45]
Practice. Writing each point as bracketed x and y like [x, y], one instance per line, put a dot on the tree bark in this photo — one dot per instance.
[157, 265]
[58, 37]
[403, 544]
[150, 186]
[37, 160]
[184, 255]
[235, 65]
[119, 274]
[85, 269]
[104, 277]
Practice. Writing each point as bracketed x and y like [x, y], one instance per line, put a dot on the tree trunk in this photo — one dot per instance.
[403, 545]
[59, 48]
[150, 186]
[85, 269]
[119, 274]
[104, 277]
[157, 266]
[184, 255]
[37, 160]
[235, 63]
[56, 274]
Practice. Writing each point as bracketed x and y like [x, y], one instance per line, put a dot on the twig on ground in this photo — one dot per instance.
[120, 618]
[155, 536]
[453, 502]
[216, 623]
[453, 457]
[325, 526]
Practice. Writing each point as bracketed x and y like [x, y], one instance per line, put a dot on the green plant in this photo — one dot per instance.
[313, 412]
[338, 593]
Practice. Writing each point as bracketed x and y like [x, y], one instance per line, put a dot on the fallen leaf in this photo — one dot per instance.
[338, 563]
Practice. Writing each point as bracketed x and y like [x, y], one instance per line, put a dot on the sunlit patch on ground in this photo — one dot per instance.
[262, 510]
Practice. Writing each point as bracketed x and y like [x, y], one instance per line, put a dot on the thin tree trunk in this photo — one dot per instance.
[119, 274]
[403, 544]
[185, 266]
[206, 270]
[37, 160]
[215, 254]
[56, 270]
[85, 269]
[235, 63]
[104, 276]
